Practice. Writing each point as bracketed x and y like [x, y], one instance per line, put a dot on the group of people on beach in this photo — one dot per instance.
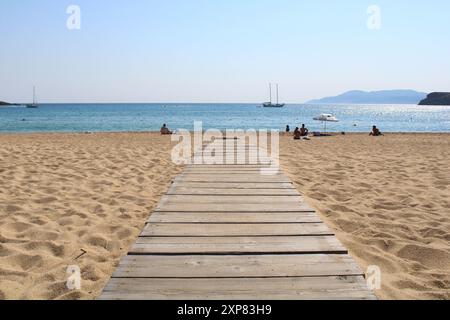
[299, 133]
[303, 132]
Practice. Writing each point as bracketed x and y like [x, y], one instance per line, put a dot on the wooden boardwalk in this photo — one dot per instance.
[231, 232]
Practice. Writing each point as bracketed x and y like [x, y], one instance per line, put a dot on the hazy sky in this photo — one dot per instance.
[219, 50]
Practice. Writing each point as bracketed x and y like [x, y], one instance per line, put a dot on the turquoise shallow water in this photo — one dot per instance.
[149, 117]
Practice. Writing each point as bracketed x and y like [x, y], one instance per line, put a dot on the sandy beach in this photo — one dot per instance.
[61, 194]
[82, 199]
[388, 199]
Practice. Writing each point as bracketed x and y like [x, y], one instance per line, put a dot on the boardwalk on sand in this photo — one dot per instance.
[231, 232]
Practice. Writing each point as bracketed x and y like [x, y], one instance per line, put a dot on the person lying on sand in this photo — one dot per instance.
[375, 132]
[165, 130]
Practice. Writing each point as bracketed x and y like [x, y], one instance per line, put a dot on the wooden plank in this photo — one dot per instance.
[233, 185]
[233, 230]
[225, 153]
[233, 199]
[237, 266]
[234, 161]
[220, 169]
[255, 174]
[352, 287]
[225, 169]
[232, 207]
[226, 166]
[213, 158]
[233, 172]
[229, 192]
[238, 245]
[233, 179]
[239, 217]
[235, 168]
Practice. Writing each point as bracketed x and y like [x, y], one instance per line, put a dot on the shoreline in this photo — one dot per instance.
[282, 133]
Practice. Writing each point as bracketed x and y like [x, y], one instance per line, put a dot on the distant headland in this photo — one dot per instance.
[3, 103]
[375, 97]
[436, 99]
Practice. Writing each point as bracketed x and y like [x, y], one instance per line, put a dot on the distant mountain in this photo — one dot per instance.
[436, 99]
[376, 97]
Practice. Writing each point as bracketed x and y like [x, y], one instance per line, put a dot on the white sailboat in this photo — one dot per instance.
[34, 105]
[270, 104]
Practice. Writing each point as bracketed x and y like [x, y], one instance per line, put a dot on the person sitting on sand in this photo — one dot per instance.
[304, 131]
[375, 132]
[297, 134]
[165, 130]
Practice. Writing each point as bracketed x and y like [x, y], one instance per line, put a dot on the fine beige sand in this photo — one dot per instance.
[61, 195]
[64, 193]
[388, 199]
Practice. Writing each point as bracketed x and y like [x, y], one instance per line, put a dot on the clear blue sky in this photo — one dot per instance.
[219, 50]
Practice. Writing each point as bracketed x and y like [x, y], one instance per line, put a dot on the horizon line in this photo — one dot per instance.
[206, 103]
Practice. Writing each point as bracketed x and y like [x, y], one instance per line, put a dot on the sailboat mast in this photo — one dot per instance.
[270, 92]
[277, 95]
[34, 95]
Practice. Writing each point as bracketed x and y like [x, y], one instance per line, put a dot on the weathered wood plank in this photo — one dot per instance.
[352, 287]
[239, 217]
[233, 185]
[237, 266]
[214, 169]
[232, 207]
[234, 178]
[247, 175]
[242, 230]
[233, 172]
[237, 245]
[229, 192]
[264, 163]
[234, 199]
[226, 166]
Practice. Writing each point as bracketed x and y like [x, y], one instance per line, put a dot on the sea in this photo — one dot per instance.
[149, 117]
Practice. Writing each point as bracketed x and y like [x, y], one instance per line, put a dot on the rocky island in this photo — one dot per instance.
[436, 99]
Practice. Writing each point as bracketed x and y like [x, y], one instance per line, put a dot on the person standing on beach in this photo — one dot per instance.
[288, 129]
